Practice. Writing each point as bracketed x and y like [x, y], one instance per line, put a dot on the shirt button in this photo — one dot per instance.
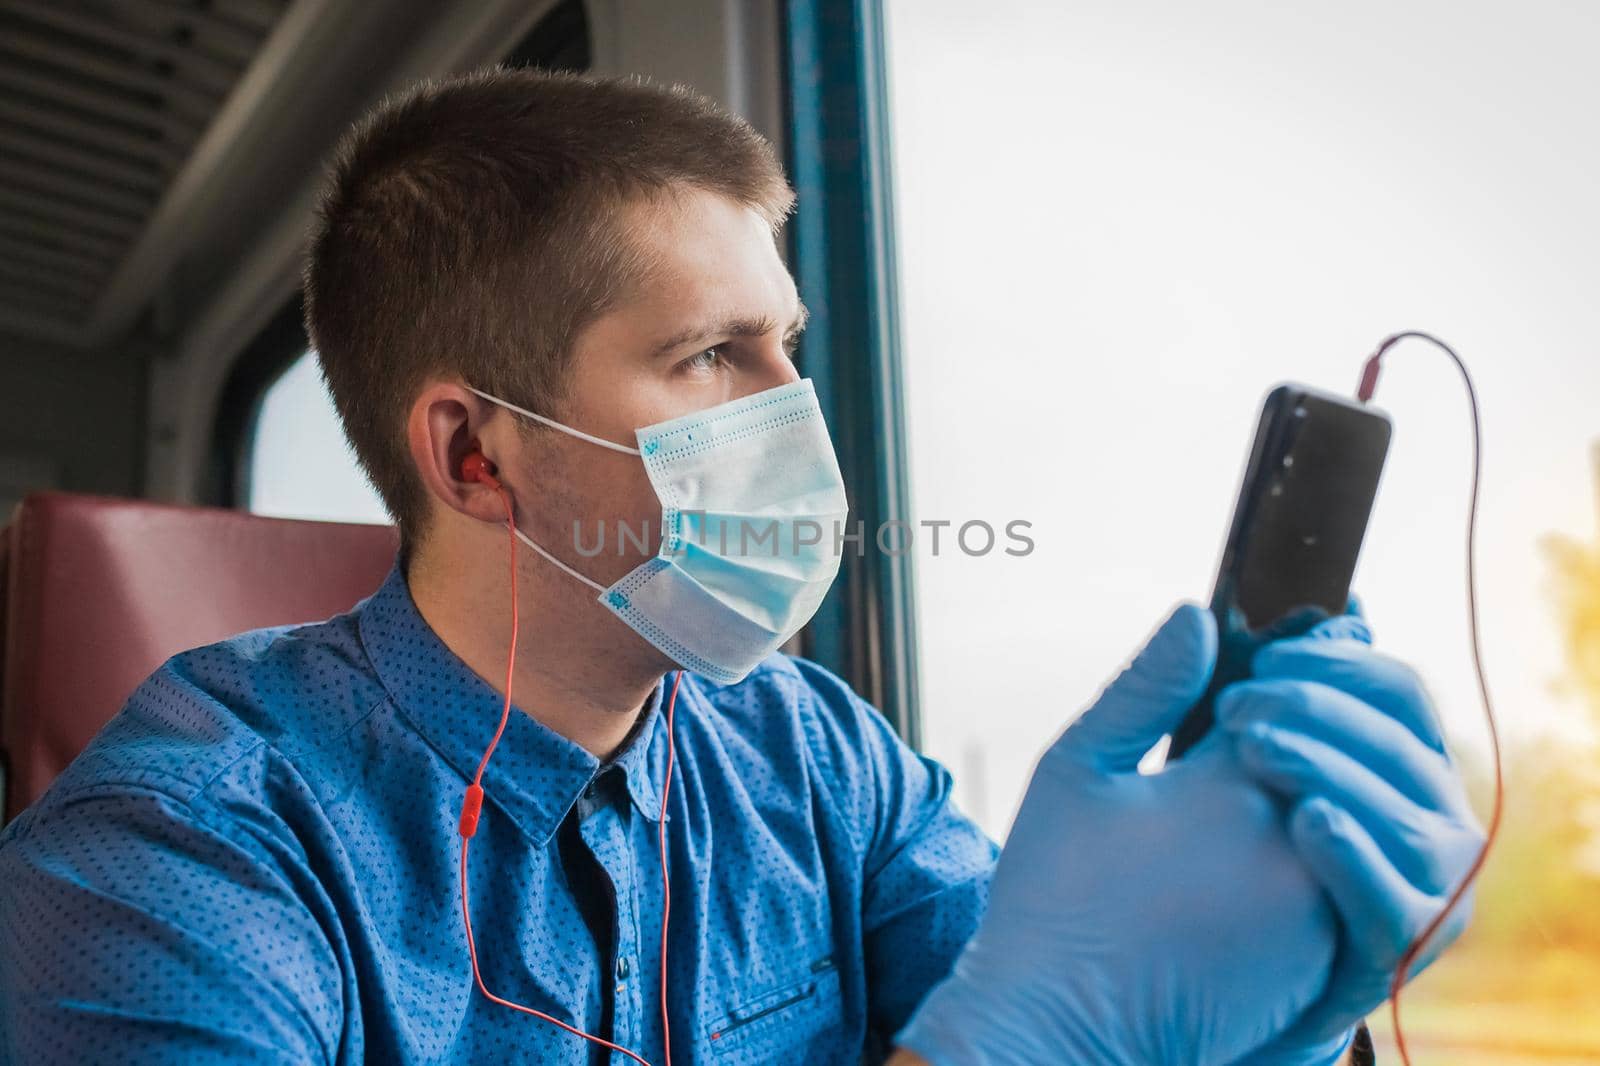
[622, 968]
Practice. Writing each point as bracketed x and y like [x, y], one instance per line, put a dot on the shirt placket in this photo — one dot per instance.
[606, 833]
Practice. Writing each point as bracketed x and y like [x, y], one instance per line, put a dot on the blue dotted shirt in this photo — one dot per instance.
[256, 861]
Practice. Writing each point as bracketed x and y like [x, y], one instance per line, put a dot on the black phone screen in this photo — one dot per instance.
[1303, 510]
[1297, 529]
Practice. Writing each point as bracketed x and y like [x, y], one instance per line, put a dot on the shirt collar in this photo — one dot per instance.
[536, 774]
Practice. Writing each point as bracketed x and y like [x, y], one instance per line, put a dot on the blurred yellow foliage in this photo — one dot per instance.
[1576, 584]
[1523, 984]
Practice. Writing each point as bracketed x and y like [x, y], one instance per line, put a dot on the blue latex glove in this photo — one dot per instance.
[1348, 739]
[1139, 919]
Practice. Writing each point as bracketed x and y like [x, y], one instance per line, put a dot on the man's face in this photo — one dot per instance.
[715, 320]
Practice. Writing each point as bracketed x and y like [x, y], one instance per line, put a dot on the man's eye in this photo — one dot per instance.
[704, 360]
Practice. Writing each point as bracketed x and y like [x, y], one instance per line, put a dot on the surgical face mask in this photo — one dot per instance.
[751, 499]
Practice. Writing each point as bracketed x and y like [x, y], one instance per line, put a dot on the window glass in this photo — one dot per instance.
[1119, 224]
[300, 465]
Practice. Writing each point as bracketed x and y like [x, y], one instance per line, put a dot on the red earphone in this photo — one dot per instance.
[476, 467]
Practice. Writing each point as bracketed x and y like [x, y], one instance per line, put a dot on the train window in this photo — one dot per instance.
[1118, 228]
[299, 463]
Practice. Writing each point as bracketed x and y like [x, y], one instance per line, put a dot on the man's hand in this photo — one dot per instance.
[1140, 919]
[1349, 741]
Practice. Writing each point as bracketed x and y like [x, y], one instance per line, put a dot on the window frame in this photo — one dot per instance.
[276, 348]
[842, 244]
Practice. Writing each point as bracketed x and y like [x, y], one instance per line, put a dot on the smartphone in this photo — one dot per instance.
[1296, 532]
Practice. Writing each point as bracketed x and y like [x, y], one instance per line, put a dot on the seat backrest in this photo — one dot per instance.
[98, 592]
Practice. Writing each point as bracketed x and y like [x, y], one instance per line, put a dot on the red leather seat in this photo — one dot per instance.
[98, 592]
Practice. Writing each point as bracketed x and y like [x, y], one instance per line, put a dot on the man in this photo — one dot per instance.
[530, 293]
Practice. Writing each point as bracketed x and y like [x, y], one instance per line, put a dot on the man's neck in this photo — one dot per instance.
[569, 677]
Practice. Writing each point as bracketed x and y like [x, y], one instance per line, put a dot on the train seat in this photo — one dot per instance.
[97, 592]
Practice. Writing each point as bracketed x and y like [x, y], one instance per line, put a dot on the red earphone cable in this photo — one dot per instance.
[666, 885]
[472, 804]
[1369, 382]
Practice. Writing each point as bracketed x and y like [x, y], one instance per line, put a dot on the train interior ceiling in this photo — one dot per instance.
[158, 169]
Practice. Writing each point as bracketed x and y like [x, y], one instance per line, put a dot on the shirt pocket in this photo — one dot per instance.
[801, 1022]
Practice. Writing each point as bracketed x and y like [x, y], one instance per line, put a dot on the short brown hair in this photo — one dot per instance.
[468, 229]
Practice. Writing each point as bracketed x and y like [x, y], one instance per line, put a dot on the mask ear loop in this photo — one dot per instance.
[529, 541]
[553, 424]
[477, 468]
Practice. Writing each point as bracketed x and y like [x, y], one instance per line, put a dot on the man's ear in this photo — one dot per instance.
[445, 424]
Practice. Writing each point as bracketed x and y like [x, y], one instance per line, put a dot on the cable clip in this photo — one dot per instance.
[470, 808]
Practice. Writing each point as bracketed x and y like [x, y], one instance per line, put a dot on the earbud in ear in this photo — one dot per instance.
[475, 467]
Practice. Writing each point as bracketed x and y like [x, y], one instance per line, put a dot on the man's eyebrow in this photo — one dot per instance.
[736, 326]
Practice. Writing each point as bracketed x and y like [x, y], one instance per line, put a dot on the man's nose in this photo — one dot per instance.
[775, 368]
